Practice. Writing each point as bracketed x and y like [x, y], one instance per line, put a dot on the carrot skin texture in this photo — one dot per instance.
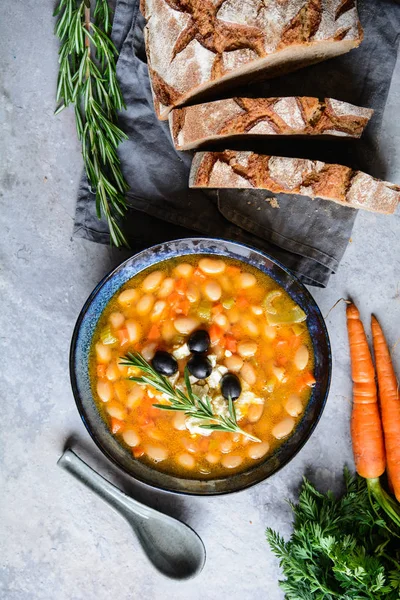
[366, 426]
[389, 404]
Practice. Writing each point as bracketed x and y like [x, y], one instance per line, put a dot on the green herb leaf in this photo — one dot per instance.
[189, 403]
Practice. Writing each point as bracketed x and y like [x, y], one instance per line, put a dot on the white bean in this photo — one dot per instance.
[269, 332]
[183, 270]
[255, 412]
[212, 458]
[103, 353]
[279, 373]
[179, 421]
[185, 325]
[283, 428]
[192, 293]
[248, 373]
[256, 451]
[148, 351]
[294, 406]
[131, 437]
[128, 297]
[257, 310]
[247, 349]
[231, 461]
[226, 446]
[186, 461]
[116, 410]
[246, 280]
[156, 453]
[212, 266]
[158, 310]
[167, 287]
[113, 373]
[213, 290]
[116, 319]
[135, 396]
[152, 281]
[145, 304]
[168, 331]
[222, 321]
[104, 390]
[134, 331]
[234, 363]
[251, 328]
[301, 358]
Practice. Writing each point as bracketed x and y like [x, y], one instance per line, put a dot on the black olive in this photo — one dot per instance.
[199, 341]
[230, 386]
[199, 366]
[164, 363]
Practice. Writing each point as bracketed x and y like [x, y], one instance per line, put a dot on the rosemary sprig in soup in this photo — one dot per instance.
[189, 403]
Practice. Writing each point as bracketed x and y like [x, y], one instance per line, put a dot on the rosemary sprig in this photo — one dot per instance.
[87, 78]
[189, 403]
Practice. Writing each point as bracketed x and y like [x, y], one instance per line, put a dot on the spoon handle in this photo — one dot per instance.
[100, 486]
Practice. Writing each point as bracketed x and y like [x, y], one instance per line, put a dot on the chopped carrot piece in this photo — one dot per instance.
[154, 333]
[294, 341]
[216, 332]
[203, 445]
[123, 336]
[230, 343]
[181, 286]
[217, 309]
[173, 299]
[116, 425]
[282, 346]
[242, 302]
[281, 361]
[232, 271]
[137, 452]
[183, 307]
[236, 331]
[306, 380]
[101, 370]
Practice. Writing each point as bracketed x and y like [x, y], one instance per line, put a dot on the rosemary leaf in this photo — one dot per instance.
[87, 78]
[189, 403]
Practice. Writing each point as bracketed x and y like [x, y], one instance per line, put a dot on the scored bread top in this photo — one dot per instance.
[191, 43]
[192, 126]
[316, 179]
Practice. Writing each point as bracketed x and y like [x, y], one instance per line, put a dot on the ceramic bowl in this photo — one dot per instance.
[79, 370]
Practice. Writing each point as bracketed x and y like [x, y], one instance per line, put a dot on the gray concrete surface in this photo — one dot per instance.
[58, 541]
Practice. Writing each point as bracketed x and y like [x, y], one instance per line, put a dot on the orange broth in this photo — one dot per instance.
[231, 301]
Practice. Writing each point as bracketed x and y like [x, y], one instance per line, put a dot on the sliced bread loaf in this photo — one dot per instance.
[193, 126]
[198, 45]
[231, 169]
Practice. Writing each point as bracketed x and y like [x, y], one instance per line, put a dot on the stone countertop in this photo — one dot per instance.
[59, 541]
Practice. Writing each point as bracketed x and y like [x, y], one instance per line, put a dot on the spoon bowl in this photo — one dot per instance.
[173, 548]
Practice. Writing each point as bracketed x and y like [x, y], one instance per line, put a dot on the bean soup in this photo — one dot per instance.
[243, 344]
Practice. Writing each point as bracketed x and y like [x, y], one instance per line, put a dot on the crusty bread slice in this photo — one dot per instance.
[201, 46]
[193, 126]
[232, 169]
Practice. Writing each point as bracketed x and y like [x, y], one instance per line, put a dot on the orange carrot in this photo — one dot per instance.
[306, 380]
[230, 343]
[123, 336]
[232, 271]
[366, 427]
[217, 309]
[154, 333]
[389, 404]
[216, 332]
[181, 286]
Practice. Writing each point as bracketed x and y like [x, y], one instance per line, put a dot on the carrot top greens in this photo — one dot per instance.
[340, 547]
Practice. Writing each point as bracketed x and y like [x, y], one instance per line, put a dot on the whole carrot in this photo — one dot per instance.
[366, 427]
[389, 404]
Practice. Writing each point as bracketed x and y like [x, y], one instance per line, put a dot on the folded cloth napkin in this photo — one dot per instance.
[308, 236]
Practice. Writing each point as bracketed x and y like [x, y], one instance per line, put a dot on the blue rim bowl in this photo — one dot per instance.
[81, 344]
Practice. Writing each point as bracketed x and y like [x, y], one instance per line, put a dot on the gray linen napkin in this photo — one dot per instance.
[308, 236]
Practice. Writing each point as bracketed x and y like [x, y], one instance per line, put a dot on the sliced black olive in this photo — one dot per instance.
[164, 363]
[199, 366]
[199, 341]
[230, 386]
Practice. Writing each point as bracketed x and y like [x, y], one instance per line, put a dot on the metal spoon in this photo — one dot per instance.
[173, 547]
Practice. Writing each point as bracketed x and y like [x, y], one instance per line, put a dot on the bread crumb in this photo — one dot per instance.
[273, 202]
